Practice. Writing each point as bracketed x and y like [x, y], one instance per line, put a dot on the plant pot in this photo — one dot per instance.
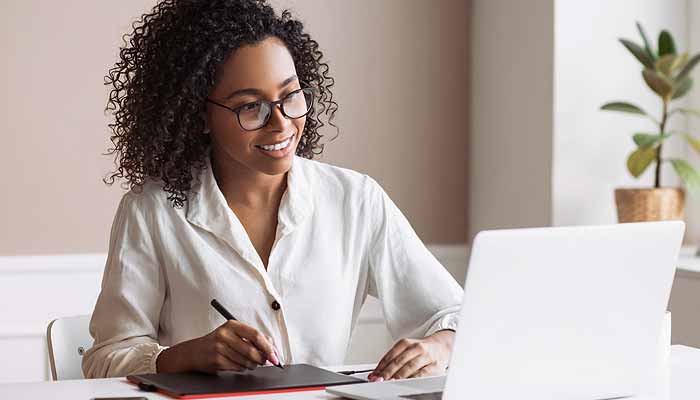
[639, 205]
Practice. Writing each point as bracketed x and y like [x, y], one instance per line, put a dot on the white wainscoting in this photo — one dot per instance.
[37, 289]
[33, 291]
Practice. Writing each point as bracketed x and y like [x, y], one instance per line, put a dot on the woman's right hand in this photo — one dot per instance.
[233, 346]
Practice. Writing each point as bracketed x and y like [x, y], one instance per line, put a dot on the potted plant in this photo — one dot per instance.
[667, 73]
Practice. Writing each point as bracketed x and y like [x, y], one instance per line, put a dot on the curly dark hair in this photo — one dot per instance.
[166, 69]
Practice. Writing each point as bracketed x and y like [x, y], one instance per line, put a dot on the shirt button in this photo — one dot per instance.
[275, 305]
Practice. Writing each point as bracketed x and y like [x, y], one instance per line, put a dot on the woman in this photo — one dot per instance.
[217, 108]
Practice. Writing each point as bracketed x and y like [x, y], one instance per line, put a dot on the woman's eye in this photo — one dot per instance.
[292, 96]
[250, 106]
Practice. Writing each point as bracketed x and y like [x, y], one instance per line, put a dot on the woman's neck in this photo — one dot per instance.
[244, 187]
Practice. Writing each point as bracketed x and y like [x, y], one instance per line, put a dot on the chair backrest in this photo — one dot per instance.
[68, 339]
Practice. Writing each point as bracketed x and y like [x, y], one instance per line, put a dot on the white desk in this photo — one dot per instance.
[684, 384]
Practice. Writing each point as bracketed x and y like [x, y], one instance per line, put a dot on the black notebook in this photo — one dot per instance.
[190, 385]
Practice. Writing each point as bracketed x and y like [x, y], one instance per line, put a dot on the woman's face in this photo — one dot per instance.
[264, 71]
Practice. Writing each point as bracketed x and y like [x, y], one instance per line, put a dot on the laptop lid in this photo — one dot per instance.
[572, 312]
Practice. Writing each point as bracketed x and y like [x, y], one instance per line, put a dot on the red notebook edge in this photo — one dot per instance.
[130, 379]
[210, 396]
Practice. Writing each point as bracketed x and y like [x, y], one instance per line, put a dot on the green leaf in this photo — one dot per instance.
[622, 106]
[665, 64]
[638, 53]
[688, 67]
[682, 88]
[687, 174]
[647, 47]
[679, 61]
[694, 143]
[687, 111]
[666, 44]
[644, 140]
[640, 159]
[657, 83]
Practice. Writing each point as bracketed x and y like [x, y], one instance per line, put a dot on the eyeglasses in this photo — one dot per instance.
[255, 115]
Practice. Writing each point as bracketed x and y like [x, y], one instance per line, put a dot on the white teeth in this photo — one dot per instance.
[278, 146]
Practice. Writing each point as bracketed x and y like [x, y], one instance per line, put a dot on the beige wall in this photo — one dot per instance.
[401, 71]
[55, 55]
[510, 152]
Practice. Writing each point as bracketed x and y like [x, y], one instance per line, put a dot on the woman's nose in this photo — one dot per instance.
[278, 121]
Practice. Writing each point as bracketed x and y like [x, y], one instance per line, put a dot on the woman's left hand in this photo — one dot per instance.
[413, 358]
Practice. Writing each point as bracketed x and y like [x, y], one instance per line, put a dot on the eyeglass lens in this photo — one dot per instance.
[255, 115]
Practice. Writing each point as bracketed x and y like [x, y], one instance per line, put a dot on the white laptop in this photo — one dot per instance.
[565, 313]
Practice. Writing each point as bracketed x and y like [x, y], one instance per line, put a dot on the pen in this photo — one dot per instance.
[226, 314]
[354, 372]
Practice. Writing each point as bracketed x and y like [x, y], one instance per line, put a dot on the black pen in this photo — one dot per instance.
[354, 372]
[226, 314]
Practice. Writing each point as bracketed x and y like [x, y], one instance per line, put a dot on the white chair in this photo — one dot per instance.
[68, 339]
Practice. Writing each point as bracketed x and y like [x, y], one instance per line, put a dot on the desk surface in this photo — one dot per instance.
[684, 384]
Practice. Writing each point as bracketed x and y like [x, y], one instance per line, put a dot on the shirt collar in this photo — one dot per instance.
[208, 209]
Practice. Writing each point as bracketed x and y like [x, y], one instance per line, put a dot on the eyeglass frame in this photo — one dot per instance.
[277, 103]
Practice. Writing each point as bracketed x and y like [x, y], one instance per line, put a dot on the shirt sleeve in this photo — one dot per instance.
[418, 295]
[125, 321]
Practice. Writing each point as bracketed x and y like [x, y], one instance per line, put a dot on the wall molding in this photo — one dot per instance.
[22, 330]
[90, 262]
[53, 263]
[56, 285]
[452, 256]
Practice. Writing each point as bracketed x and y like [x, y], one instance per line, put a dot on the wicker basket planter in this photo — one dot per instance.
[639, 205]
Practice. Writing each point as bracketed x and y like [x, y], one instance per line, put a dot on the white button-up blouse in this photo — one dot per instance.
[339, 238]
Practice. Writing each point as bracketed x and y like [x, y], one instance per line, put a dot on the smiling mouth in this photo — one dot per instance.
[276, 146]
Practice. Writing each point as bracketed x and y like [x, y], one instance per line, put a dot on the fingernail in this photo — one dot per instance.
[273, 358]
[380, 379]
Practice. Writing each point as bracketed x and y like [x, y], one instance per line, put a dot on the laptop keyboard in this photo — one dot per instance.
[424, 396]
